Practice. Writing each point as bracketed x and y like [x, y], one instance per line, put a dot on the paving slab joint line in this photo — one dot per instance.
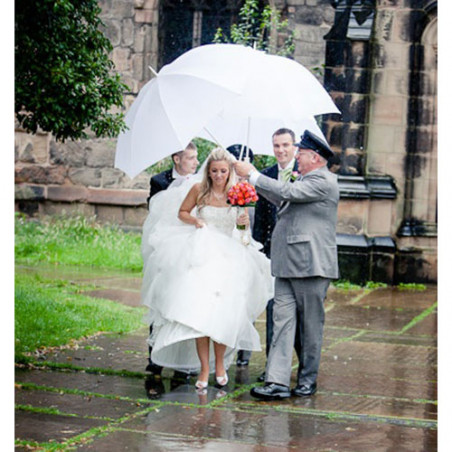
[360, 296]
[104, 430]
[60, 367]
[377, 397]
[155, 403]
[54, 411]
[338, 415]
[418, 318]
[344, 339]
[40, 446]
[410, 422]
[32, 386]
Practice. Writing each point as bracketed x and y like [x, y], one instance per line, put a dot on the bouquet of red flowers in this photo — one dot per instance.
[242, 194]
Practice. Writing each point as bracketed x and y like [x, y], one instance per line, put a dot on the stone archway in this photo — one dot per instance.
[424, 199]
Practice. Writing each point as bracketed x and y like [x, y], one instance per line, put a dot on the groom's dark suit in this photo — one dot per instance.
[264, 223]
[159, 182]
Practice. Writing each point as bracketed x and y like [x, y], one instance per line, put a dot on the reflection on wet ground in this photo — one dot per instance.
[377, 385]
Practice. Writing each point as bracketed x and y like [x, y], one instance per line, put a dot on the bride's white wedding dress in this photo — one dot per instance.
[200, 282]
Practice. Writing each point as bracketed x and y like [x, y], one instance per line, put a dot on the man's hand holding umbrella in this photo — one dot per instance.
[243, 169]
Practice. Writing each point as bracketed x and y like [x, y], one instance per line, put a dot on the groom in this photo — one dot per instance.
[185, 163]
[304, 260]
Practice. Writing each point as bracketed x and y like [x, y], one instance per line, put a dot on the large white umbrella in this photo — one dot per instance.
[179, 101]
[255, 133]
[279, 92]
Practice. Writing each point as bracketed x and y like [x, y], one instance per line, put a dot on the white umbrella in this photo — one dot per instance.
[279, 92]
[172, 107]
[255, 133]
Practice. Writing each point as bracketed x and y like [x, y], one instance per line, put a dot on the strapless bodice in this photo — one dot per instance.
[221, 218]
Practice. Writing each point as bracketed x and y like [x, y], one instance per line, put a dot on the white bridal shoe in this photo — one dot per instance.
[222, 381]
[201, 384]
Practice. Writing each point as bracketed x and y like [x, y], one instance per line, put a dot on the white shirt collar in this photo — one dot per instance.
[176, 175]
[289, 165]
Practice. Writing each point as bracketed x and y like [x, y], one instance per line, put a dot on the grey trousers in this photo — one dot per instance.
[307, 295]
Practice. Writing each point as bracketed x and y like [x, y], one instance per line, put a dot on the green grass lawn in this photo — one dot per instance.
[51, 313]
[76, 241]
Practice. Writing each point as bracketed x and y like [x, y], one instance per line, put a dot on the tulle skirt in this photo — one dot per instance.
[199, 282]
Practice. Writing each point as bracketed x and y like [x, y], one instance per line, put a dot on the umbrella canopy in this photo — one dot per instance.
[225, 92]
[279, 92]
[172, 107]
[277, 86]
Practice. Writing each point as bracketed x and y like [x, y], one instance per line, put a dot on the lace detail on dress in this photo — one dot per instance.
[222, 219]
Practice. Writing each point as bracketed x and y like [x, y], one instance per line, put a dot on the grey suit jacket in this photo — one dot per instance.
[304, 238]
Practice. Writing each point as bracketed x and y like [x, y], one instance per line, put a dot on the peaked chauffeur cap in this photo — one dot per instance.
[311, 141]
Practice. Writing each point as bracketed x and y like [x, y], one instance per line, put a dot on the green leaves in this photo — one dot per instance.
[64, 80]
[258, 29]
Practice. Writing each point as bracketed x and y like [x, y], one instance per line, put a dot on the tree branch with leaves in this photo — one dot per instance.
[64, 79]
[259, 28]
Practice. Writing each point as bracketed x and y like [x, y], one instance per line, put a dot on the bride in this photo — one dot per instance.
[203, 286]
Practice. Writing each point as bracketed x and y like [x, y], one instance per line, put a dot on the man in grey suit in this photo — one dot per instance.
[303, 261]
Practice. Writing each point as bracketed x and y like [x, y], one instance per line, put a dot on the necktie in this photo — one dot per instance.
[285, 174]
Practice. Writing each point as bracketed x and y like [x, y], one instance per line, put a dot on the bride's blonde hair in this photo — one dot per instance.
[217, 155]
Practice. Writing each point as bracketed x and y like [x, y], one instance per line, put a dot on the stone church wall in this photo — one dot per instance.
[383, 86]
[79, 176]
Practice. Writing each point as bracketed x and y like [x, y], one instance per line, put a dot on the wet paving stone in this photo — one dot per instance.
[187, 393]
[42, 427]
[341, 296]
[370, 318]
[377, 386]
[384, 353]
[77, 404]
[112, 385]
[427, 326]
[341, 366]
[394, 298]
[427, 340]
[157, 442]
[283, 429]
[387, 409]
[110, 351]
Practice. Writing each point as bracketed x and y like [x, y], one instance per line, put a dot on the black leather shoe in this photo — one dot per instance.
[154, 368]
[242, 362]
[181, 376]
[271, 391]
[243, 358]
[304, 390]
[261, 377]
[154, 386]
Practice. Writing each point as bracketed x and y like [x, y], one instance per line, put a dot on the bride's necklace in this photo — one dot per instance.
[220, 196]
